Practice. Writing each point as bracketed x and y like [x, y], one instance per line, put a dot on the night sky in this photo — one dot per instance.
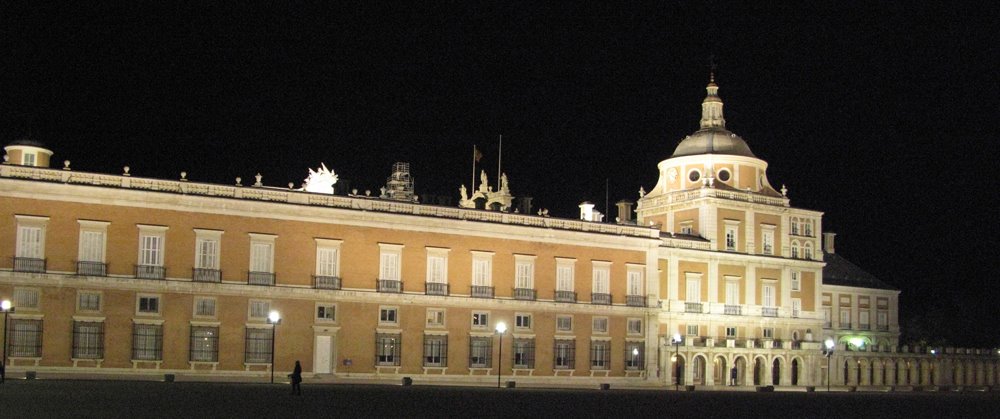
[883, 117]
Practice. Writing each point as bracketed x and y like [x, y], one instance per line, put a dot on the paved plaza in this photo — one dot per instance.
[83, 398]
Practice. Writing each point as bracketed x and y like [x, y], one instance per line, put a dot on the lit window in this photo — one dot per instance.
[259, 342]
[25, 338]
[435, 317]
[388, 349]
[480, 319]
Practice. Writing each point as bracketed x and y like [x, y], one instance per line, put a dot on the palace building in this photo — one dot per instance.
[716, 281]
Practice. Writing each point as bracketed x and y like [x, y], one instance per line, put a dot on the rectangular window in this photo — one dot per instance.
[863, 319]
[151, 248]
[768, 295]
[88, 301]
[435, 317]
[564, 323]
[768, 333]
[88, 340]
[732, 291]
[634, 282]
[767, 237]
[480, 349]
[25, 338]
[262, 255]
[437, 268]
[204, 344]
[257, 349]
[388, 315]
[687, 227]
[845, 318]
[730, 332]
[30, 241]
[259, 309]
[148, 304]
[796, 307]
[827, 317]
[524, 353]
[564, 354]
[600, 355]
[731, 235]
[795, 226]
[525, 272]
[26, 298]
[204, 307]
[328, 258]
[600, 325]
[207, 248]
[482, 269]
[326, 312]
[602, 278]
[635, 326]
[692, 330]
[435, 351]
[389, 261]
[29, 159]
[693, 288]
[564, 274]
[634, 352]
[480, 320]
[93, 236]
[147, 342]
[796, 281]
[522, 321]
[388, 349]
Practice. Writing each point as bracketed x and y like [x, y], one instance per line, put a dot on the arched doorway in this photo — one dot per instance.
[795, 372]
[758, 371]
[678, 370]
[698, 373]
[741, 370]
[776, 371]
[722, 375]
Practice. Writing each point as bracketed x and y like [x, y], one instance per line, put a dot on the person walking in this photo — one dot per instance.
[296, 377]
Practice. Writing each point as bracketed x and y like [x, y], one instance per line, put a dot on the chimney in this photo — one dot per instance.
[586, 211]
[828, 241]
[524, 205]
[624, 212]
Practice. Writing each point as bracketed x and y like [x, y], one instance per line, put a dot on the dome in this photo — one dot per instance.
[714, 140]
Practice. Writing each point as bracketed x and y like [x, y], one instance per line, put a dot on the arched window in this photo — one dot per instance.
[795, 226]
[795, 249]
[808, 250]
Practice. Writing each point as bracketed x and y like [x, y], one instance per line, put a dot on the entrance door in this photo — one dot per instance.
[323, 354]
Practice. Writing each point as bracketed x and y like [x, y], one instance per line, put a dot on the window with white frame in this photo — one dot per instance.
[480, 319]
[808, 251]
[634, 326]
[602, 277]
[207, 249]
[796, 281]
[29, 254]
[390, 261]
[151, 245]
[731, 332]
[796, 307]
[29, 159]
[148, 304]
[328, 258]
[204, 307]
[388, 315]
[26, 298]
[326, 312]
[564, 323]
[88, 301]
[692, 330]
[262, 253]
[600, 325]
[768, 333]
[795, 249]
[732, 234]
[795, 226]
[437, 265]
[769, 296]
[732, 290]
[522, 321]
[93, 241]
[634, 281]
[845, 317]
[767, 239]
[482, 268]
[687, 227]
[435, 317]
[564, 274]
[259, 309]
[692, 287]
[524, 271]
[564, 351]
[808, 224]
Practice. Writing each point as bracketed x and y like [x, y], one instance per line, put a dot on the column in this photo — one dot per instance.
[713, 282]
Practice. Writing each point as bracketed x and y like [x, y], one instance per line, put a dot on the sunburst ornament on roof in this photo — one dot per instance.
[320, 180]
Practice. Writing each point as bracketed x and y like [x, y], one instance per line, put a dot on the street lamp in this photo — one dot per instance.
[501, 328]
[828, 353]
[5, 308]
[274, 319]
[677, 365]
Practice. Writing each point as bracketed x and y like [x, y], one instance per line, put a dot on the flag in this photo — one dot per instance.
[476, 154]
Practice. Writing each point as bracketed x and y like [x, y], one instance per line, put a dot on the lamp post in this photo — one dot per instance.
[677, 365]
[501, 328]
[5, 308]
[274, 319]
[828, 353]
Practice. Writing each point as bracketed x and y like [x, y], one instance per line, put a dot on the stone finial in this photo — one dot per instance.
[354, 191]
[258, 177]
[291, 185]
[66, 165]
[126, 169]
[184, 176]
[784, 190]
[238, 181]
[368, 192]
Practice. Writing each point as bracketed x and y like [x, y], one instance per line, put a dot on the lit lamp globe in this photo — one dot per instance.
[501, 327]
[677, 337]
[829, 344]
[5, 305]
[274, 317]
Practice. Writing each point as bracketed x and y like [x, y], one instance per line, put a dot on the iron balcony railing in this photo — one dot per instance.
[565, 296]
[600, 298]
[435, 288]
[326, 282]
[390, 285]
[29, 264]
[260, 278]
[525, 294]
[206, 275]
[635, 300]
[692, 307]
[150, 272]
[482, 291]
[92, 268]
[733, 309]
[769, 311]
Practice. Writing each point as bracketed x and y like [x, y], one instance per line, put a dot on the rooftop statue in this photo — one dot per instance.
[320, 180]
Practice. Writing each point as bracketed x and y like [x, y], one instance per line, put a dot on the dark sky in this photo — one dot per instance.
[884, 117]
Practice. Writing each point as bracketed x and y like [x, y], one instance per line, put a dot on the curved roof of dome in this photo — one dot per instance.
[713, 140]
[27, 142]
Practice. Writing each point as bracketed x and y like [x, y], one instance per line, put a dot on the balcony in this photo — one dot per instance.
[864, 326]
[524, 294]
[882, 328]
[600, 299]
[769, 311]
[827, 325]
[635, 300]
[206, 275]
[692, 307]
[389, 285]
[326, 282]
[845, 326]
[260, 278]
[435, 288]
[150, 272]
[481, 291]
[733, 310]
[29, 265]
[92, 268]
[565, 296]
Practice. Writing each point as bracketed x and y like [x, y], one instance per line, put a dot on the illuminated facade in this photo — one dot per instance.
[719, 281]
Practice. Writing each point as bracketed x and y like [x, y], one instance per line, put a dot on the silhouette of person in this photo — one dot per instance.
[297, 379]
[732, 376]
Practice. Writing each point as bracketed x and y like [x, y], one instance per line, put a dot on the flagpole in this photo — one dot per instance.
[499, 156]
[472, 185]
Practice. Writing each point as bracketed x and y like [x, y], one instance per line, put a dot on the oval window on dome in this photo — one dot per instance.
[694, 175]
[724, 175]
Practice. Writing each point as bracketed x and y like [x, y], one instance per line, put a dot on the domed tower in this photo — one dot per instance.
[27, 152]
